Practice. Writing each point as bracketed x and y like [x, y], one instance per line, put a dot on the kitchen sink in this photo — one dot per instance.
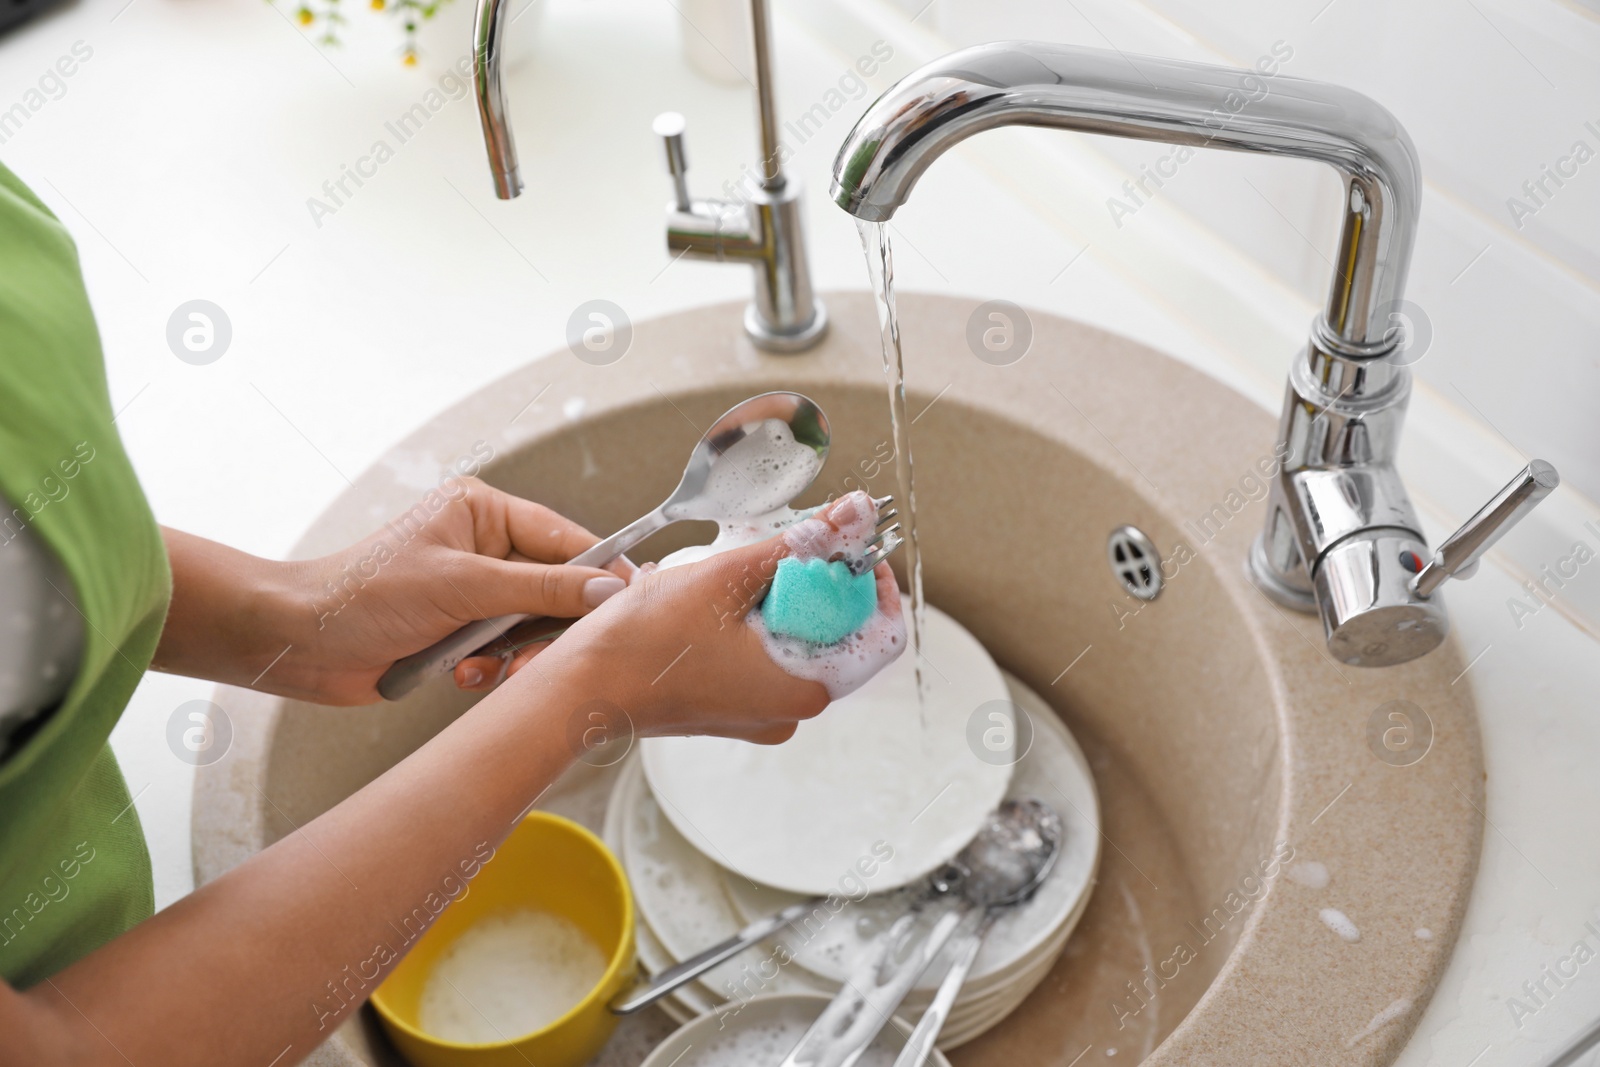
[1289, 841]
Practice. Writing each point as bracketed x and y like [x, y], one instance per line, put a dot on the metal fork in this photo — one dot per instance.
[886, 540]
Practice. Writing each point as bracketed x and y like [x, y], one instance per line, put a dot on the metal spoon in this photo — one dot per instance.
[1002, 866]
[728, 478]
[1014, 863]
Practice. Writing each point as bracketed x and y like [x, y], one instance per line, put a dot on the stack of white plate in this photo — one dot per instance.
[689, 900]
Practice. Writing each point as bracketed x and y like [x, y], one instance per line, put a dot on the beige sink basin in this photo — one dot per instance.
[1221, 734]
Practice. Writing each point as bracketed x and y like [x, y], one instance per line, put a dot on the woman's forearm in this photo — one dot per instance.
[231, 614]
[268, 959]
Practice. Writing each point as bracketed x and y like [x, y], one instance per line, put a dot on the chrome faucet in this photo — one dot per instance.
[1341, 535]
[762, 228]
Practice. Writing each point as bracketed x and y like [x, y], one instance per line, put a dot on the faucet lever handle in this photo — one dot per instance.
[1458, 556]
[669, 126]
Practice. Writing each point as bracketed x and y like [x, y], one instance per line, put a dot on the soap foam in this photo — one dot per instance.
[1310, 873]
[1395, 1010]
[845, 666]
[842, 536]
[760, 472]
[736, 534]
[508, 975]
[1340, 923]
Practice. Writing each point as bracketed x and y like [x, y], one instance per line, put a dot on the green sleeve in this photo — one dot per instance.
[74, 869]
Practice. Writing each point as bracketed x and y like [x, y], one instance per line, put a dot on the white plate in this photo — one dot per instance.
[1054, 770]
[864, 774]
[766, 1029]
[687, 1001]
[680, 896]
[695, 925]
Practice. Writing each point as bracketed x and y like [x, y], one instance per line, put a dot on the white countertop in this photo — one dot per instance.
[182, 153]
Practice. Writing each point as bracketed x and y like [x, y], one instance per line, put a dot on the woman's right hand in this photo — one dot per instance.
[676, 653]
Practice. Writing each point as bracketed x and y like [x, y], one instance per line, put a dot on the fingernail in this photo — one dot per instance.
[648, 568]
[844, 510]
[597, 591]
[471, 676]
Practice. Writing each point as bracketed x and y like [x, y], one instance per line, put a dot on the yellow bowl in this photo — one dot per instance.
[547, 864]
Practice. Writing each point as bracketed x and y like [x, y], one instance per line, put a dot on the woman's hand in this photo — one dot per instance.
[325, 630]
[675, 653]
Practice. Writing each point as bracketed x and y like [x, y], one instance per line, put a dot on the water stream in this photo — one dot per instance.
[880, 265]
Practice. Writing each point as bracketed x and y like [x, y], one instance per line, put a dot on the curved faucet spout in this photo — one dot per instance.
[1094, 91]
[487, 26]
[1341, 536]
[762, 228]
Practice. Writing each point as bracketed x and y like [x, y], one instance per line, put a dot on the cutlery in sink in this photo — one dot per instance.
[1033, 831]
[1001, 867]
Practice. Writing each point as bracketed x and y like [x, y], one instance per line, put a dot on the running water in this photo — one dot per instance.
[880, 265]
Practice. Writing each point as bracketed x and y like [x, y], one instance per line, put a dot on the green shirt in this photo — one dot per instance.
[74, 870]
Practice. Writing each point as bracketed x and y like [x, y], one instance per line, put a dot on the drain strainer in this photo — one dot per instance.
[1135, 562]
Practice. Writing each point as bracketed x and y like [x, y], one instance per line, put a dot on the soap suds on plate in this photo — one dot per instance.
[508, 975]
[1309, 873]
[1340, 923]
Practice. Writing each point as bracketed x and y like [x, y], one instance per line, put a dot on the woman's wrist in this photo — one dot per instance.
[232, 614]
[541, 717]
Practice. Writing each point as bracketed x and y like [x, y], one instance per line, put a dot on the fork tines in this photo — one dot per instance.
[891, 541]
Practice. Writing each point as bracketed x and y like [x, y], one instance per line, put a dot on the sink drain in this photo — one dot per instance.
[1135, 562]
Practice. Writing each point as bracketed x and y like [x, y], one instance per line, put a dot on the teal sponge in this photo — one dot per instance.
[818, 601]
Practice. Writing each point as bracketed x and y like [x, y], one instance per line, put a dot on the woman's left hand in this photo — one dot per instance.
[325, 630]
